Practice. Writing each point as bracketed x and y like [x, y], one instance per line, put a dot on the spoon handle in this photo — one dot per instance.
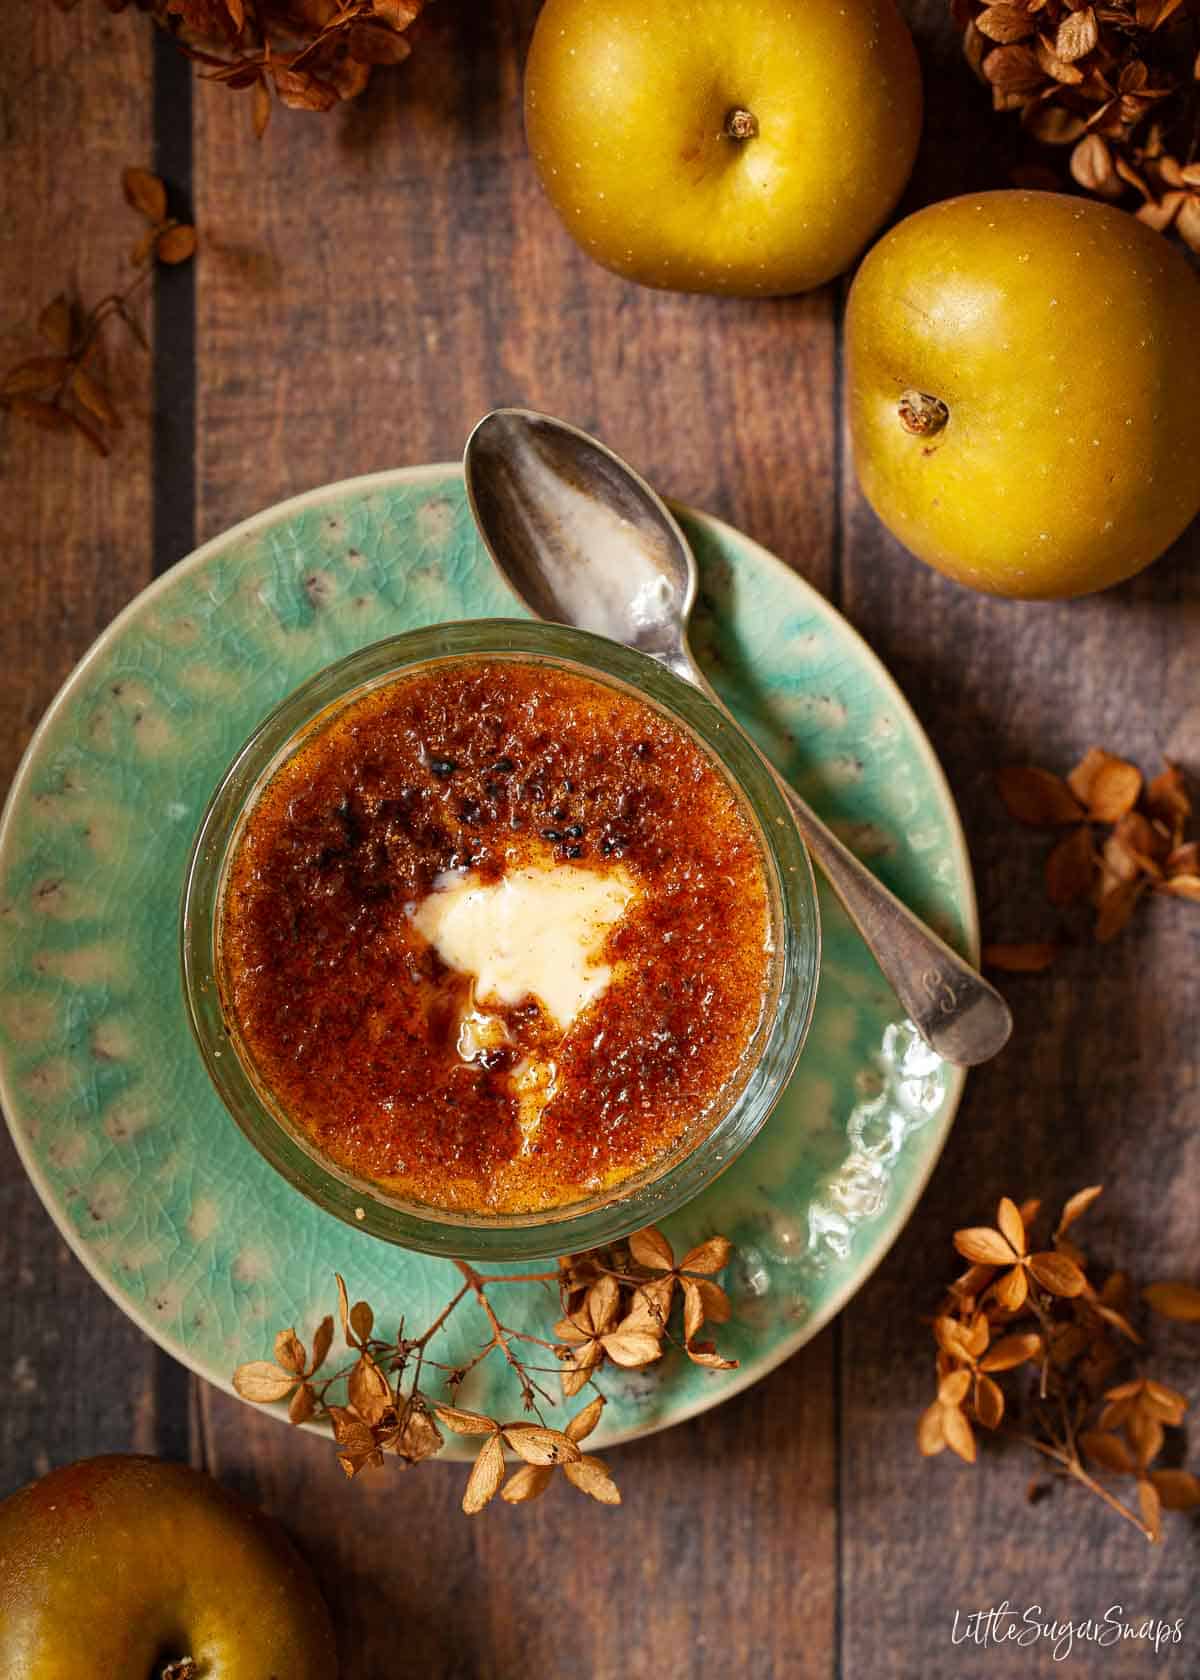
[953, 1008]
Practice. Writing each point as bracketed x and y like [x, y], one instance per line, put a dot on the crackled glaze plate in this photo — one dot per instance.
[147, 1177]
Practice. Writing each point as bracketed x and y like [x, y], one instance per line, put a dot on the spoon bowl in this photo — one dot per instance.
[582, 539]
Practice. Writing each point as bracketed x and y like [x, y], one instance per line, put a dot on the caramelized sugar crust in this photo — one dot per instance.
[351, 1018]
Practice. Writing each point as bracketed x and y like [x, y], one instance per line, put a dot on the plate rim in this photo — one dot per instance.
[899, 1212]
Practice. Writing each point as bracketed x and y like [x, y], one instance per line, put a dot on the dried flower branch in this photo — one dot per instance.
[1123, 838]
[615, 1306]
[308, 54]
[1050, 1316]
[1119, 83]
[62, 392]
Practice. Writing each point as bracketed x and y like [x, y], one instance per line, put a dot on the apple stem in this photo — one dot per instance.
[740, 124]
[922, 414]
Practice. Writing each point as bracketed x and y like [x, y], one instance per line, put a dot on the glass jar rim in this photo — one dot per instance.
[680, 1175]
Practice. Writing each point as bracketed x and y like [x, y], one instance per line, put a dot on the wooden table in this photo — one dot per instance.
[368, 284]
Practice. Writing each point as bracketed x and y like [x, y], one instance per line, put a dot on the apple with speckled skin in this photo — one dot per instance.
[1023, 387]
[123, 1568]
[742, 146]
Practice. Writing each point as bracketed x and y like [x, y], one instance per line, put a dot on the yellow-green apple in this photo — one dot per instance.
[126, 1568]
[1023, 382]
[744, 146]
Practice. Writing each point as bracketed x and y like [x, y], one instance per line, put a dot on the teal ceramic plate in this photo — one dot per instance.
[150, 1181]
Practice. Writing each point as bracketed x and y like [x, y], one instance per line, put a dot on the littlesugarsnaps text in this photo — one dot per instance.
[1003, 1624]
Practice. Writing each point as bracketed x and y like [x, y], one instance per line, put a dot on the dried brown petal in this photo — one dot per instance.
[652, 1250]
[705, 1353]
[1011, 1351]
[1151, 1507]
[55, 323]
[980, 1242]
[707, 1257]
[368, 1391]
[1013, 70]
[528, 1481]
[1145, 1435]
[976, 1335]
[1167, 796]
[1077, 35]
[591, 1476]
[1057, 1274]
[38, 373]
[1178, 1490]
[989, 1403]
[1114, 790]
[1116, 908]
[632, 1348]
[582, 1424]
[693, 1309]
[953, 1389]
[344, 1309]
[1030, 958]
[301, 91]
[650, 1305]
[1005, 23]
[537, 1444]
[717, 1308]
[464, 1422]
[303, 1404]
[1108, 1451]
[362, 1320]
[417, 1438]
[94, 397]
[1012, 1289]
[575, 1376]
[1183, 886]
[262, 1381]
[1178, 1301]
[1166, 1403]
[957, 1430]
[322, 1342]
[931, 1436]
[145, 192]
[602, 1303]
[487, 1473]
[289, 1352]
[375, 43]
[1142, 841]
[1080, 779]
[262, 107]
[1077, 1205]
[1070, 868]
[1092, 167]
[1037, 798]
[1066, 74]
[176, 244]
[1010, 1224]
[398, 13]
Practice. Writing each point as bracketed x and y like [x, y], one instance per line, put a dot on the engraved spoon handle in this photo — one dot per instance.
[953, 1007]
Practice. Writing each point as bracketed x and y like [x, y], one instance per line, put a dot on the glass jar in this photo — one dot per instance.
[678, 1175]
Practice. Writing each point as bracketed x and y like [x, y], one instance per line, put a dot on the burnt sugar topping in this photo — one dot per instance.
[496, 936]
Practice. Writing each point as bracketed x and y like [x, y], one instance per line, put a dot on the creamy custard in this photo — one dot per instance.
[496, 937]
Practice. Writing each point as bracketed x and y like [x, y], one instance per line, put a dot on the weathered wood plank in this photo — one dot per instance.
[371, 284]
[75, 535]
[1099, 1084]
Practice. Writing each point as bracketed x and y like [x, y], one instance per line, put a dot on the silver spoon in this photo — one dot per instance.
[583, 540]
